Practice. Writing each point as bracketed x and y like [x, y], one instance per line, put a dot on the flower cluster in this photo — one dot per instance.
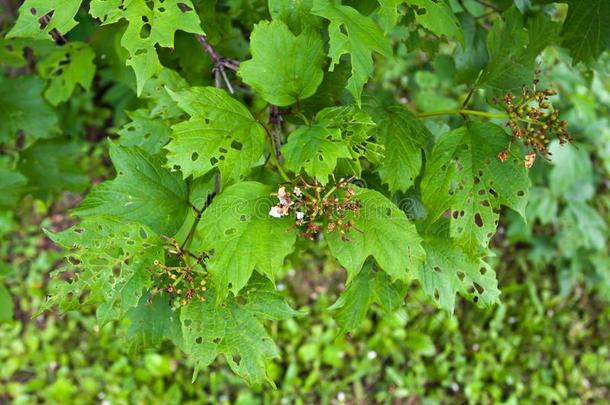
[534, 120]
[314, 208]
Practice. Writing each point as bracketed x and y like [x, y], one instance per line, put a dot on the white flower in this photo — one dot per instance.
[297, 191]
[372, 355]
[341, 396]
[300, 215]
[276, 212]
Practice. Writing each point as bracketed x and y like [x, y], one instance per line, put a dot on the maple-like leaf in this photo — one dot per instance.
[220, 133]
[60, 13]
[112, 259]
[586, 32]
[367, 288]
[316, 150]
[234, 329]
[352, 33]
[143, 191]
[383, 231]
[449, 270]
[150, 24]
[65, 67]
[284, 68]
[464, 175]
[238, 229]
[437, 16]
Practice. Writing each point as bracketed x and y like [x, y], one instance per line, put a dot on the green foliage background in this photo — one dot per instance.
[547, 339]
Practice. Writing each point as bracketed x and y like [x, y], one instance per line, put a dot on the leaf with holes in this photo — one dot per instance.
[221, 133]
[367, 288]
[234, 330]
[403, 137]
[113, 259]
[33, 13]
[388, 13]
[66, 67]
[150, 23]
[284, 68]
[352, 33]
[437, 16]
[151, 322]
[143, 191]
[465, 178]
[144, 131]
[449, 269]
[380, 230]
[316, 150]
[238, 229]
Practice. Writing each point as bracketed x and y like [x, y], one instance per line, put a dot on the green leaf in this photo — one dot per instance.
[367, 288]
[513, 49]
[113, 259]
[52, 167]
[65, 67]
[586, 32]
[144, 131]
[284, 68]
[295, 13]
[12, 184]
[383, 231]
[143, 191]
[571, 176]
[449, 269]
[22, 108]
[149, 24]
[352, 33]
[388, 13]
[403, 137]
[237, 227]
[6, 304]
[220, 133]
[62, 18]
[152, 322]
[437, 16]
[464, 175]
[265, 301]
[316, 150]
[231, 329]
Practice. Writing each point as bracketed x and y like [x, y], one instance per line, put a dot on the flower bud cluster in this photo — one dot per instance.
[315, 209]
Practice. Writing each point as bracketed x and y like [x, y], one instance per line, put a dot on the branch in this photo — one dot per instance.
[220, 64]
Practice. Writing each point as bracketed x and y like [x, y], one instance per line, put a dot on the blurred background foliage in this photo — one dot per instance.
[548, 342]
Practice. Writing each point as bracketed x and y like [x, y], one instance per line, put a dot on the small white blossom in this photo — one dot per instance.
[372, 355]
[276, 212]
[297, 191]
[341, 396]
[300, 215]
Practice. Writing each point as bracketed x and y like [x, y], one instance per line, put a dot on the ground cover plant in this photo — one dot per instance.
[224, 177]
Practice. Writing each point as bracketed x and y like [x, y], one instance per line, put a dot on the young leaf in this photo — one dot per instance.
[231, 329]
[586, 32]
[148, 26]
[465, 175]
[380, 230]
[61, 18]
[403, 137]
[449, 269]
[220, 133]
[316, 150]
[284, 68]
[367, 288]
[351, 32]
[437, 16]
[143, 191]
[65, 67]
[237, 227]
[113, 259]
[23, 108]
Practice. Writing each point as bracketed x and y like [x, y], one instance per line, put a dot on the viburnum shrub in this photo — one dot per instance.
[263, 131]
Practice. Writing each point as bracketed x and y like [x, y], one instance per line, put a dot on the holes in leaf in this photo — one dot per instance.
[478, 220]
[188, 322]
[33, 11]
[230, 231]
[216, 340]
[145, 31]
[143, 234]
[222, 150]
[45, 19]
[184, 7]
[461, 275]
[437, 294]
[236, 358]
[243, 218]
[492, 192]
[520, 193]
[213, 161]
[478, 288]
[194, 156]
[236, 145]
[438, 269]
[483, 270]
[199, 340]
[141, 51]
